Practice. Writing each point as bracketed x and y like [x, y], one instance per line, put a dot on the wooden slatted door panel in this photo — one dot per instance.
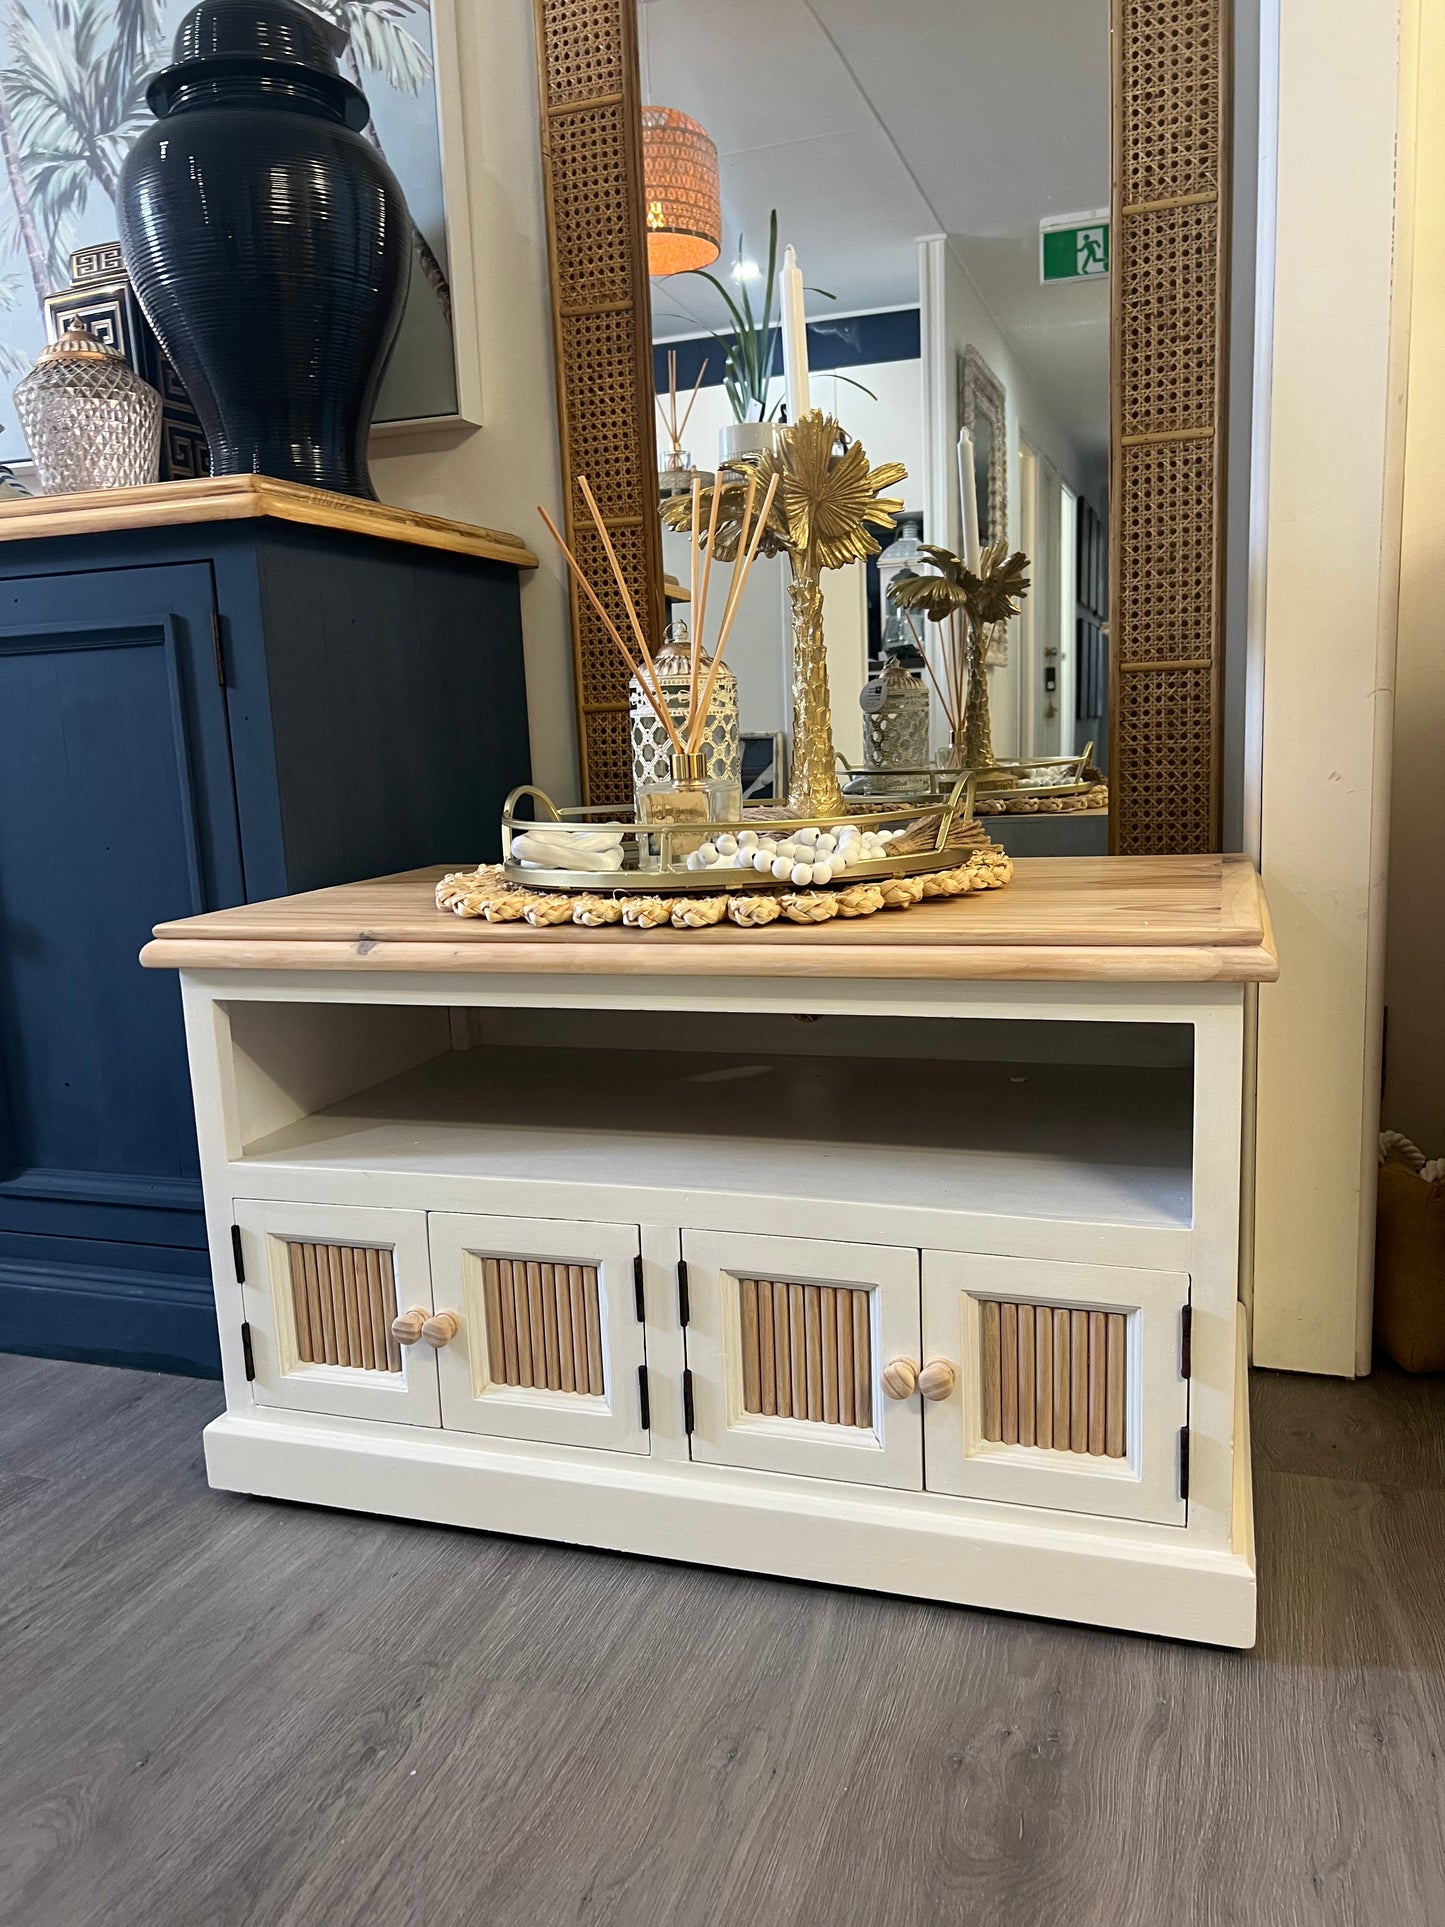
[343, 1304]
[543, 1324]
[787, 1339]
[1054, 1377]
[548, 1344]
[807, 1351]
[1069, 1390]
[323, 1284]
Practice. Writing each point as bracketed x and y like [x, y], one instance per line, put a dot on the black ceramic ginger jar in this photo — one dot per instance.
[268, 242]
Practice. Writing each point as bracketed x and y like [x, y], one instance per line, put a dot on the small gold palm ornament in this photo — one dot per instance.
[826, 505]
[971, 606]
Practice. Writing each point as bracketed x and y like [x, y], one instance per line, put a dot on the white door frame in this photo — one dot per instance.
[1330, 443]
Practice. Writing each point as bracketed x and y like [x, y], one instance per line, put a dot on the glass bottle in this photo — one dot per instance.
[688, 795]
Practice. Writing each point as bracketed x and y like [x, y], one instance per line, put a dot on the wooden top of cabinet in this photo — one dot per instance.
[1181, 919]
[232, 498]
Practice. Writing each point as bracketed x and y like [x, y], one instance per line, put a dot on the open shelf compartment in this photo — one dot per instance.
[1079, 1122]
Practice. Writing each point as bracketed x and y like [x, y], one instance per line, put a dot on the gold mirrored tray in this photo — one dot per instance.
[937, 829]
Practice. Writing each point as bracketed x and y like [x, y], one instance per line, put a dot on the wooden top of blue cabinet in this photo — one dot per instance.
[1181, 919]
[233, 498]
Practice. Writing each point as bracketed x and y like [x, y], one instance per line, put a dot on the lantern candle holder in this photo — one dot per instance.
[895, 726]
[89, 419]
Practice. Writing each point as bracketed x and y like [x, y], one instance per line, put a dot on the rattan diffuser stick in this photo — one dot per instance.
[700, 571]
[677, 429]
[643, 667]
[621, 580]
[650, 687]
[742, 568]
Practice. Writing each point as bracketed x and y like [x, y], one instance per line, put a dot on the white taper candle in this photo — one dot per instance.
[795, 336]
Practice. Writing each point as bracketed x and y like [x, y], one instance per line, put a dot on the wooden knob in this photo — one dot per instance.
[900, 1377]
[406, 1327]
[937, 1379]
[441, 1328]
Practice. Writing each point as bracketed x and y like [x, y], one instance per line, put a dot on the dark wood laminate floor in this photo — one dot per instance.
[221, 1710]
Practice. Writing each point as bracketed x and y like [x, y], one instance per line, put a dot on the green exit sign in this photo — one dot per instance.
[1074, 247]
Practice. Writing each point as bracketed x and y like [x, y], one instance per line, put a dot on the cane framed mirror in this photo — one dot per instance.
[1067, 170]
[983, 408]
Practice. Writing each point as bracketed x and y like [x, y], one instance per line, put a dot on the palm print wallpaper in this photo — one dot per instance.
[73, 75]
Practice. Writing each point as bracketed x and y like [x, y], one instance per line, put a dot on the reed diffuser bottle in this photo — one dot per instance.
[688, 793]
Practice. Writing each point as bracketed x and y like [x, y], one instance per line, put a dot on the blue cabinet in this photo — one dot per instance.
[189, 718]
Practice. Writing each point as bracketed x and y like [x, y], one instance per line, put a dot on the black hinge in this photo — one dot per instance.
[637, 1297]
[1186, 1342]
[220, 652]
[240, 1262]
[684, 1301]
[246, 1352]
[643, 1400]
[1184, 1461]
[687, 1414]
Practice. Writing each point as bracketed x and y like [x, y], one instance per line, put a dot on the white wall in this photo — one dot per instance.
[496, 475]
[1336, 412]
[961, 319]
[1414, 1099]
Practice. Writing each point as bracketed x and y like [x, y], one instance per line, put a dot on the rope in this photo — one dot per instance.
[1395, 1148]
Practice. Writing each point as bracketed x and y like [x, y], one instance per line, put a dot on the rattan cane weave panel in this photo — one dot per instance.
[1165, 547]
[1163, 722]
[582, 52]
[604, 673]
[1169, 77]
[1169, 313]
[589, 173]
[601, 314]
[607, 740]
[1169, 291]
[599, 351]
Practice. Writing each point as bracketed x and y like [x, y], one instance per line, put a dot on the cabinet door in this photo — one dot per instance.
[548, 1343]
[787, 1342]
[1067, 1389]
[116, 811]
[322, 1286]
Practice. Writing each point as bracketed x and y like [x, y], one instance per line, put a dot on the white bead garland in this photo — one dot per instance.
[803, 857]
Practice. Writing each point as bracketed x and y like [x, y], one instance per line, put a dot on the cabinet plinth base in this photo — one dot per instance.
[846, 1537]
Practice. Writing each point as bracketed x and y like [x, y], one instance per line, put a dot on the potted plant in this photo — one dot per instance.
[749, 356]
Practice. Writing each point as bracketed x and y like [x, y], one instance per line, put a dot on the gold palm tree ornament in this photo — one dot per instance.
[821, 504]
[967, 608]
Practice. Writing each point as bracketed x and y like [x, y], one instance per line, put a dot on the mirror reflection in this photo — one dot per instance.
[941, 175]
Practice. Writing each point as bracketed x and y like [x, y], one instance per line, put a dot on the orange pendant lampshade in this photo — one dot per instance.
[679, 179]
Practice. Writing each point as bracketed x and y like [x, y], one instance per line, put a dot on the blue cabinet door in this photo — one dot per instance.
[116, 811]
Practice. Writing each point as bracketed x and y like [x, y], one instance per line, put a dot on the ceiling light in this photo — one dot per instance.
[680, 192]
